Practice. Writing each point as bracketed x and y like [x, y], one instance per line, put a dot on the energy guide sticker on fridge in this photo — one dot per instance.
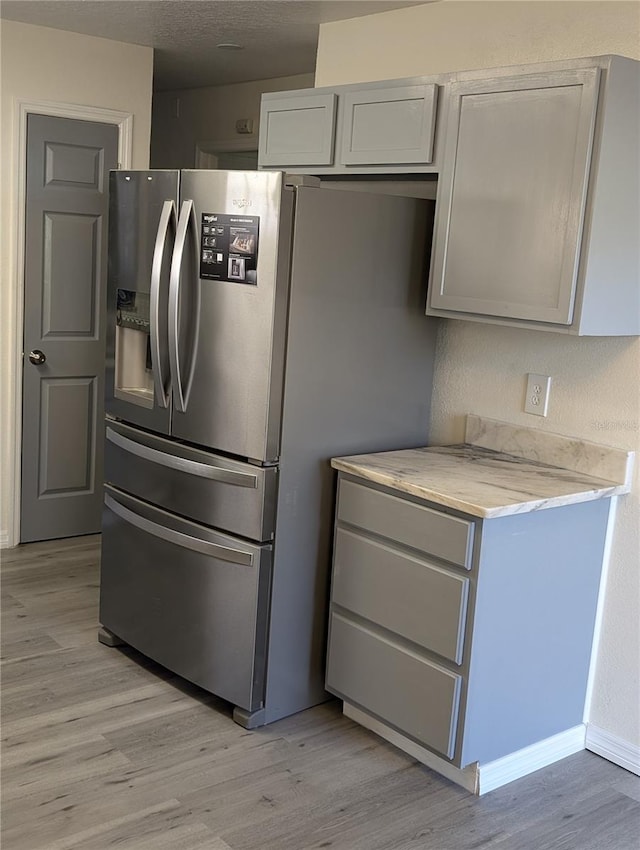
[229, 247]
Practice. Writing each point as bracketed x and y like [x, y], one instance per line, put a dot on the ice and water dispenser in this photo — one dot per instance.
[133, 375]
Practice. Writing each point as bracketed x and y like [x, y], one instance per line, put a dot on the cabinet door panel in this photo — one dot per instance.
[416, 696]
[513, 197]
[297, 130]
[389, 126]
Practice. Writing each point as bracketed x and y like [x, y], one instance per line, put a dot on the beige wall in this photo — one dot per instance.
[455, 36]
[184, 119]
[39, 64]
[481, 368]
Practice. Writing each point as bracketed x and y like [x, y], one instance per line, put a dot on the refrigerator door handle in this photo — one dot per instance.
[167, 219]
[182, 390]
[186, 541]
[193, 467]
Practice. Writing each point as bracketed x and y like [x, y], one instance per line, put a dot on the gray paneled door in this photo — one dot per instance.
[64, 350]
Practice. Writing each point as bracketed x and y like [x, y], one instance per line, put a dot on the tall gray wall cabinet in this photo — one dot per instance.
[538, 209]
[462, 639]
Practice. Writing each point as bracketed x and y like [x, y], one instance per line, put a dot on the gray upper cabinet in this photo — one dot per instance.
[537, 204]
[369, 128]
[392, 125]
[537, 210]
[514, 195]
[297, 131]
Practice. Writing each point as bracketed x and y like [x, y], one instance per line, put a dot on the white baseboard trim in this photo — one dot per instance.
[613, 748]
[496, 773]
[480, 778]
[4, 539]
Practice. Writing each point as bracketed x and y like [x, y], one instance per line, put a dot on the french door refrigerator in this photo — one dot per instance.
[258, 326]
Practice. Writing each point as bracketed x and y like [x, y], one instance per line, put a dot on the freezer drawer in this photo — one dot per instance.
[190, 598]
[236, 497]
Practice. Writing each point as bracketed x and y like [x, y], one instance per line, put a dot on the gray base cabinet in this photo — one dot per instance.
[470, 637]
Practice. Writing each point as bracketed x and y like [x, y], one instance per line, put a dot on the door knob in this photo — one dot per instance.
[37, 357]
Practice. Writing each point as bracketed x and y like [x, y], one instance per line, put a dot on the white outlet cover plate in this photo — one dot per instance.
[537, 397]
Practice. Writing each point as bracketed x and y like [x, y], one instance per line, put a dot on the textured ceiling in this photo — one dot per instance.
[279, 37]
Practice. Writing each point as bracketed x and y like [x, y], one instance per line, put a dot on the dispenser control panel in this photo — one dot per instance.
[133, 310]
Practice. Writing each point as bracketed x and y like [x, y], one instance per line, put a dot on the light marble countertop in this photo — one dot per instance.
[479, 479]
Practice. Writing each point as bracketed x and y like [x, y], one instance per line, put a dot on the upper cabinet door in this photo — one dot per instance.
[512, 195]
[388, 126]
[297, 131]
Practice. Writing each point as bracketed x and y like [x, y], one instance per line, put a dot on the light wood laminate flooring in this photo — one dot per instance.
[103, 749]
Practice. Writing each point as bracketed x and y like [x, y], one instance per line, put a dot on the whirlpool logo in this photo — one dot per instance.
[242, 203]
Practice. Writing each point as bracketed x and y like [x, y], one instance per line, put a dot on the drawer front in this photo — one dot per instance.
[217, 491]
[405, 594]
[416, 696]
[389, 126]
[297, 130]
[194, 600]
[407, 523]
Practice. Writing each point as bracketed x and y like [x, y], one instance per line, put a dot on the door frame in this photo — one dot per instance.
[203, 150]
[22, 109]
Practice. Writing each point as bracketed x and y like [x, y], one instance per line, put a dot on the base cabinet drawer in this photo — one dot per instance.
[411, 693]
[401, 592]
[445, 536]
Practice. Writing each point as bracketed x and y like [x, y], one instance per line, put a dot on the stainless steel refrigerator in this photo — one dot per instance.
[258, 325]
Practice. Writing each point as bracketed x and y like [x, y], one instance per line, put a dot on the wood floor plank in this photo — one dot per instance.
[102, 748]
[291, 788]
[606, 820]
[361, 808]
[627, 784]
[152, 827]
[28, 647]
[87, 761]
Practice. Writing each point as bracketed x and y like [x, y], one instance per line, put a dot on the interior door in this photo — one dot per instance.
[68, 162]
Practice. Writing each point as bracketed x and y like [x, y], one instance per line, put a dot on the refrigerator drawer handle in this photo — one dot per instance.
[223, 553]
[193, 467]
[182, 384]
[158, 357]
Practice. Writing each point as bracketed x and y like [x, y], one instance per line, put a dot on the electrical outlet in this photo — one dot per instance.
[537, 398]
[244, 125]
